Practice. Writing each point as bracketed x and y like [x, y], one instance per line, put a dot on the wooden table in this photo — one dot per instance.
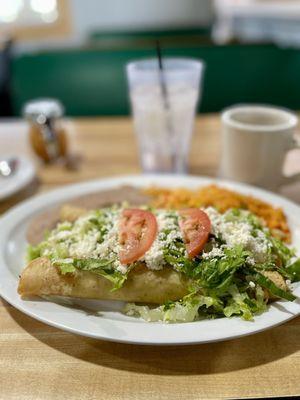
[40, 362]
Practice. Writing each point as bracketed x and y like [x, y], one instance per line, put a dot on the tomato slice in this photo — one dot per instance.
[137, 232]
[195, 226]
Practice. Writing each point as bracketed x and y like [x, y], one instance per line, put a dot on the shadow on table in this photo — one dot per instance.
[246, 352]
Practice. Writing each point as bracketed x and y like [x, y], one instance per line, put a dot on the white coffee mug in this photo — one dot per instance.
[255, 140]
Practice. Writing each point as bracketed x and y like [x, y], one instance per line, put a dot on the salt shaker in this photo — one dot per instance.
[46, 134]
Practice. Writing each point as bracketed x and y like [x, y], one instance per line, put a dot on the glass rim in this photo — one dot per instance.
[185, 64]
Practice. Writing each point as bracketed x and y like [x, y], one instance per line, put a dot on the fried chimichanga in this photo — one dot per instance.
[191, 263]
[41, 278]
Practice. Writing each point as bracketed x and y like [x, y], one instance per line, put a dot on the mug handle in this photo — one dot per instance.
[295, 144]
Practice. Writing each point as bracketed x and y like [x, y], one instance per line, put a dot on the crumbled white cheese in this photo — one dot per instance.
[81, 239]
[86, 246]
[239, 232]
[250, 260]
[63, 235]
[154, 257]
[111, 245]
[215, 252]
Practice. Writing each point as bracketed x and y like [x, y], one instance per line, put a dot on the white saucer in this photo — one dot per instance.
[20, 179]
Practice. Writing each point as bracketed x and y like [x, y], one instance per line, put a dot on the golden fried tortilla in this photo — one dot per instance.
[41, 278]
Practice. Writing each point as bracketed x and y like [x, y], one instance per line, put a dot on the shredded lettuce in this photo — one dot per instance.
[273, 288]
[65, 268]
[241, 304]
[218, 273]
[33, 252]
[177, 313]
[97, 266]
[195, 306]
[185, 310]
[281, 253]
[238, 215]
[294, 271]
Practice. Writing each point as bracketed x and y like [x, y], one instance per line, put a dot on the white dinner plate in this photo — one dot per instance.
[19, 180]
[104, 319]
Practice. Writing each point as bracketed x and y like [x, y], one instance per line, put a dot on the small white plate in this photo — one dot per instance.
[19, 180]
[103, 319]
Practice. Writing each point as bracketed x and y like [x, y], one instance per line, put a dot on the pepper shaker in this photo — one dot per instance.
[46, 133]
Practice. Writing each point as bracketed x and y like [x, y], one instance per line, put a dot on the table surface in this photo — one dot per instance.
[41, 362]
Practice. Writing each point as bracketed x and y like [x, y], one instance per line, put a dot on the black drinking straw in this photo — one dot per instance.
[162, 81]
[165, 97]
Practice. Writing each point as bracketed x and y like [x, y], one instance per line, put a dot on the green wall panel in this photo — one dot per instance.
[93, 82]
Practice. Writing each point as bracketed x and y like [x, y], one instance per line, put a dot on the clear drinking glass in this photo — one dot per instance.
[164, 105]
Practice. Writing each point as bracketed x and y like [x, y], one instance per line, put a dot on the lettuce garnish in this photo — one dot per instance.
[97, 266]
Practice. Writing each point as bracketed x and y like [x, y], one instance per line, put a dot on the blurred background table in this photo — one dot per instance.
[41, 362]
[108, 148]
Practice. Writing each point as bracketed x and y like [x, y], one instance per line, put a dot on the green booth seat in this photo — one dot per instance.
[176, 37]
[92, 82]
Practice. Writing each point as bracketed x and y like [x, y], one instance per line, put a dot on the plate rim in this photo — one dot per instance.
[23, 179]
[106, 183]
